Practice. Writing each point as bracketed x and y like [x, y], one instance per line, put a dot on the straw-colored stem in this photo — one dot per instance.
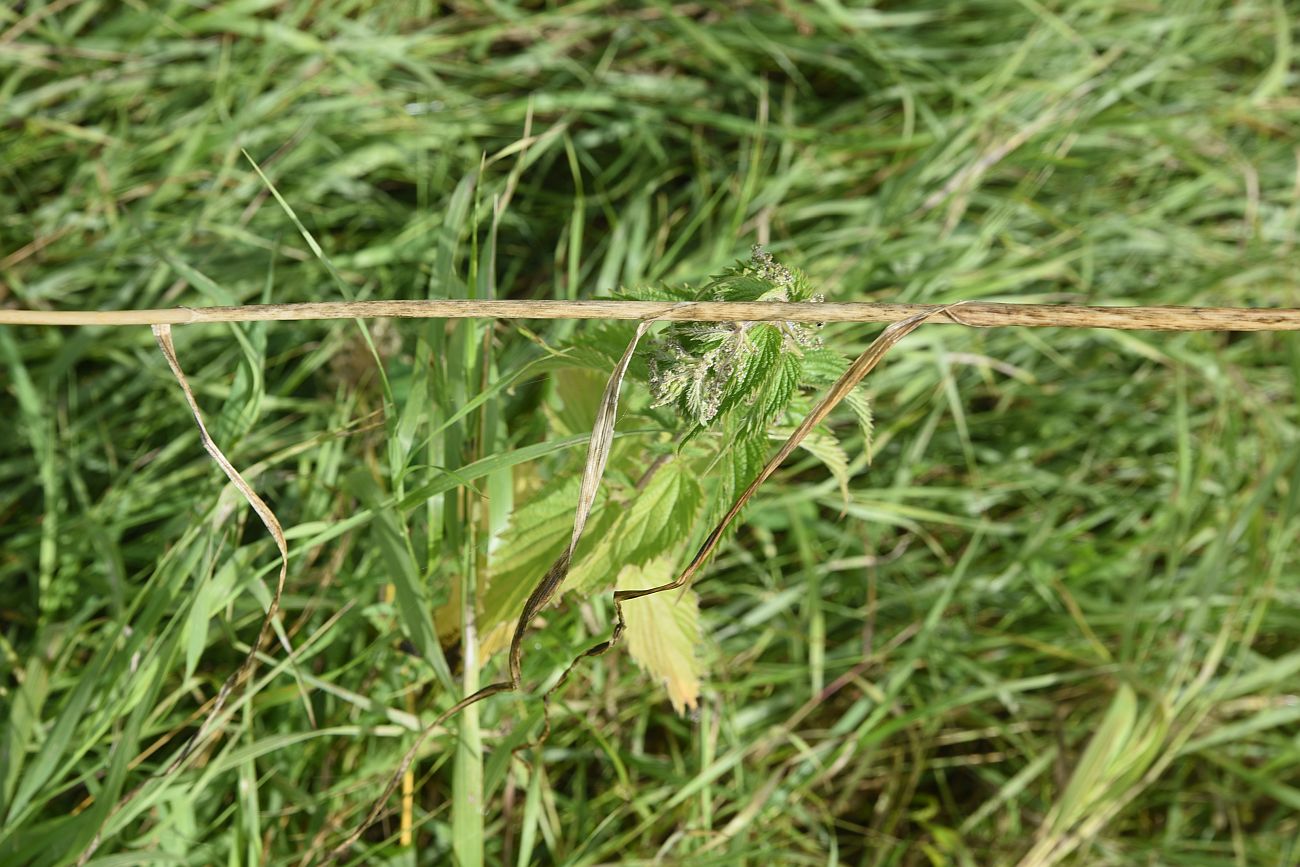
[973, 313]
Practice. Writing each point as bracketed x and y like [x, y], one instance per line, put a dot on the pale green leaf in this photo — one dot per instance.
[658, 519]
[597, 567]
[663, 631]
[661, 515]
[822, 366]
[577, 393]
[537, 533]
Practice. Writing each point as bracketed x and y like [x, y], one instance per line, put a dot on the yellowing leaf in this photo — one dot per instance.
[663, 631]
[661, 515]
[596, 567]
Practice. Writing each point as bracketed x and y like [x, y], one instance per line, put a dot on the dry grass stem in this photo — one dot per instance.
[984, 314]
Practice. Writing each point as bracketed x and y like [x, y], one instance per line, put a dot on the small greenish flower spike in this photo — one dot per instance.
[706, 368]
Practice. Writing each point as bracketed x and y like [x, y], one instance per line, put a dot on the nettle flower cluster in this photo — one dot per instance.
[706, 368]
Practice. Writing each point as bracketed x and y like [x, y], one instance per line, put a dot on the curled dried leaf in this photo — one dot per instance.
[163, 334]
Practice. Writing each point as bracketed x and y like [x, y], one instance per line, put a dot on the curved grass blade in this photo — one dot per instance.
[162, 333]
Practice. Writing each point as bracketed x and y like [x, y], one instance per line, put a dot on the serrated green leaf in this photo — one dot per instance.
[661, 292]
[598, 566]
[824, 446]
[822, 366]
[658, 519]
[738, 466]
[708, 369]
[537, 534]
[764, 344]
[700, 392]
[738, 287]
[598, 347]
[777, 391]
[663, 631]
[661, 515]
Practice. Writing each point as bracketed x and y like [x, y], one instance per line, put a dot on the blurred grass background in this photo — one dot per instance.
[1063, 533]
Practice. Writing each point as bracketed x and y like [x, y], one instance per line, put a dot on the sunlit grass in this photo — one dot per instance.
[1061, 534]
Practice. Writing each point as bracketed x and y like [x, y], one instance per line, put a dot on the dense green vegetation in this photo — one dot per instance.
[1044, 612]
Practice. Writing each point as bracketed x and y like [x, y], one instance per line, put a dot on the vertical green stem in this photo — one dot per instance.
[467, 801]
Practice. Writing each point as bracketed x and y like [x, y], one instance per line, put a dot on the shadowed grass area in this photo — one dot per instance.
[1053, 622]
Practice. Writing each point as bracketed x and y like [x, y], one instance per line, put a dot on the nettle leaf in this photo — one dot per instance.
[657, 520]
[861, 407]
[662, 292]
[764, 349]
[741, 287]
[537, 534]
[739, 464]
[598, 347]
[779, 388]
[824, 446]
[663, 631]
[696, 365]
[822, 366]
[761, 278]
[601, 564]
[662, 514]
[698, 395]
[577, 399]
[709, 369]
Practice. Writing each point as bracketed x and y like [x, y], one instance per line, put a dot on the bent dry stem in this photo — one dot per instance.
[162, 333]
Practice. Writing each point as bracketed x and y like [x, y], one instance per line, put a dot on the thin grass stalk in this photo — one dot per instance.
[982, 314]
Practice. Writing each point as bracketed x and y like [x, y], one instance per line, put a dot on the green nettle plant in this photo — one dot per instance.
[627, 515]
[718, 395]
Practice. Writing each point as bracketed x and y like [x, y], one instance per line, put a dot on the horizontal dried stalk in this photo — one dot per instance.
[972, 313]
